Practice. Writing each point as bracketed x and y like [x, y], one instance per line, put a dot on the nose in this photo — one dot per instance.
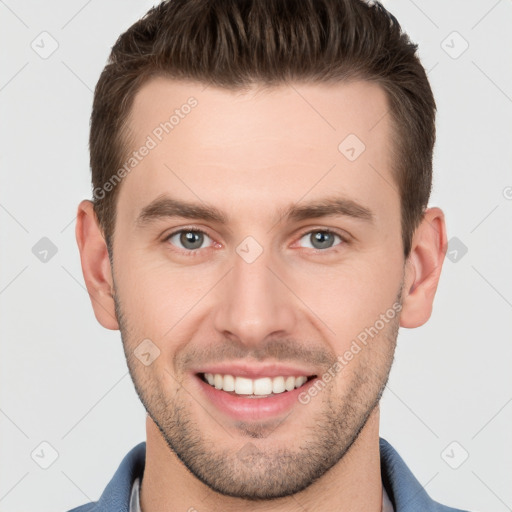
[254, 303]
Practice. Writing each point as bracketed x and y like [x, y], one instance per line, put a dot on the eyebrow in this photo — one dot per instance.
[163, 207]
[167, 207]
[329, 207]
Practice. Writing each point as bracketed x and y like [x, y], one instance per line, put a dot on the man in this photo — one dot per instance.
[259, 232]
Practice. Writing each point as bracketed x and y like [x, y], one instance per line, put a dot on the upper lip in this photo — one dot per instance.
[255, 372]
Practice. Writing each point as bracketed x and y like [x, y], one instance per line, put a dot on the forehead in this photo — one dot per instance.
[258, 147]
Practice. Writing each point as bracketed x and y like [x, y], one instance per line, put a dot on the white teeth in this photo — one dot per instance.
[217, 381]
[278, 385]
[290, 383]
[229, 383]
[242, 386]
[299, 381]
[263, 386]
[259, 387]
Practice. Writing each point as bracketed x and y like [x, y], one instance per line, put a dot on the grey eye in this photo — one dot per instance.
[319, 239]
[189, 239]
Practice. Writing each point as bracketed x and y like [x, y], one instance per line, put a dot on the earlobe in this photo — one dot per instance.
[423, 269]
[95, 265]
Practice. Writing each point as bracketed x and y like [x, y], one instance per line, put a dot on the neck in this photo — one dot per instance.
[354, 484]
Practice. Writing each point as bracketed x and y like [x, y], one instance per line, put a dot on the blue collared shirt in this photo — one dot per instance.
[400, 486]
[387, 506]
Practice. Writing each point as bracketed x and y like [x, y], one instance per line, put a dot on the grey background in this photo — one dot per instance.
[64, 380]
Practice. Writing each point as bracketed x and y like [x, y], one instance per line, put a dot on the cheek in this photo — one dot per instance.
[351, 296]
[156, 295]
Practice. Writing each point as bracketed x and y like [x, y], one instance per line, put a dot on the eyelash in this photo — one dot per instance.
[344, 239]
[186, 230]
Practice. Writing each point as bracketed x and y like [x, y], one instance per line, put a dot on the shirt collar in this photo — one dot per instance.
[404, 491]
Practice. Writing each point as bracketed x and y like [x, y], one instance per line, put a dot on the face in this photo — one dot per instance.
[248, 235]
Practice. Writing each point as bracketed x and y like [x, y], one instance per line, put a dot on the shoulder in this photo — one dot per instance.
[88, 507]
[116, 496]
[402, 487]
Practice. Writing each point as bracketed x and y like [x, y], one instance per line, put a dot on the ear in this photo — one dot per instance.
[423, 269]
[95, 265]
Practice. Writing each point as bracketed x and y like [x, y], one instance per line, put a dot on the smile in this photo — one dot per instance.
[245, 399]
[263, 387]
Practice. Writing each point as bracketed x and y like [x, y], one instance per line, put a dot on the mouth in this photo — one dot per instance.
[254, 388]
[246, 399]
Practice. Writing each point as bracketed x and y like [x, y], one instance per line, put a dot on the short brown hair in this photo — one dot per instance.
[236, 44]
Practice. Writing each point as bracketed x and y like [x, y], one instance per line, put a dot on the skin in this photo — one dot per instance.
[251, 155]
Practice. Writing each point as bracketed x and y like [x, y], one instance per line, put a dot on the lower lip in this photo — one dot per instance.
[241, 408]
